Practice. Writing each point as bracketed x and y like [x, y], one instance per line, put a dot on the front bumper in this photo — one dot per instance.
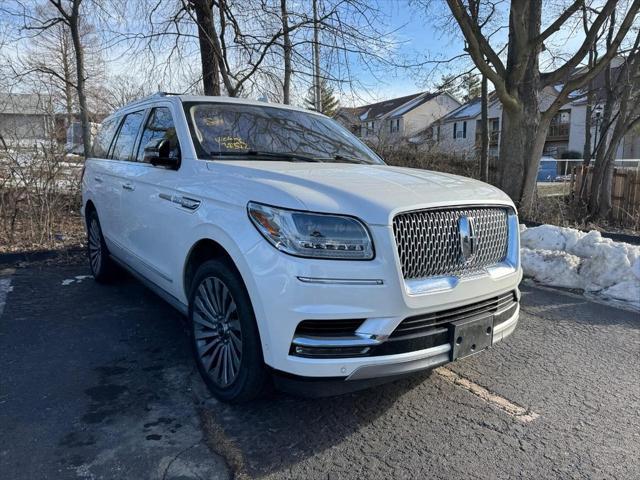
[366, 376]
[286, 291]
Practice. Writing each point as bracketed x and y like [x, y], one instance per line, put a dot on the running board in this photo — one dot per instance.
[167, 297]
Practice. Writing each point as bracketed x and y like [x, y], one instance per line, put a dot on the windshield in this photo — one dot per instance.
[249, 132]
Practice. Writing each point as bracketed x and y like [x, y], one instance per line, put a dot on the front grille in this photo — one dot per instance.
[501, 306]
[428, 241]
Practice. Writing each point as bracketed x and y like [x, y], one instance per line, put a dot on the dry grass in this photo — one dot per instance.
[411, 157]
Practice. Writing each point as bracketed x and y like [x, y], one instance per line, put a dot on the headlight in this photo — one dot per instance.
[307, 234]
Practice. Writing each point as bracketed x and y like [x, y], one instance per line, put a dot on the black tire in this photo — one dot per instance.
[224, 334]
[102, 265]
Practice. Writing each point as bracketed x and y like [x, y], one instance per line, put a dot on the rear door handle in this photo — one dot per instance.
[97, 179]
[128, 186]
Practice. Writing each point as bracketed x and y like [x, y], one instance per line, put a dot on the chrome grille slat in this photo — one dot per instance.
[428, 241]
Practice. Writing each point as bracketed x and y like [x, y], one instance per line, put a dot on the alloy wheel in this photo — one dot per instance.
[95, 246]
[217, 331]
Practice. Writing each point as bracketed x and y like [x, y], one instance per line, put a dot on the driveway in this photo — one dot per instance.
[97, 382]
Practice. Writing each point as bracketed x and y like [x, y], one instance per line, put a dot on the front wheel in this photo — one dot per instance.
[224, 333]
[102, 266]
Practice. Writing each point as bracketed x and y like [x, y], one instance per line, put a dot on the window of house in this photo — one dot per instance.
[494, 130]
[394, 125]
[123, 146]
[559, 126]
[460, 130]
[102, 142]
[370, 127]
[159, 126]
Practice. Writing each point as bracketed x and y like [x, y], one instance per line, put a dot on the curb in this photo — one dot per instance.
[617, 237]
[37, 255]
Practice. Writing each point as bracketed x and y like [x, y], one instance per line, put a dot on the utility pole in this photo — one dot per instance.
[316, 58]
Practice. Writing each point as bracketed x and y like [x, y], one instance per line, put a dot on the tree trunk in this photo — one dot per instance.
[286, 82]
[523, 132]
[521, 145]
[316, 57]
[80, 80]
[208, 57]
[66, 73]
[484, 143]
[587, 149]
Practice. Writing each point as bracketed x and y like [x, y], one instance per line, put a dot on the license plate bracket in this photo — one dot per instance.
[470, 336]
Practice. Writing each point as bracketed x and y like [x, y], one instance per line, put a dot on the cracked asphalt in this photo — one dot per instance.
[97, 382]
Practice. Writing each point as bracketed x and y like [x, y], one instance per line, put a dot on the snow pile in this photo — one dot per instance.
[569, 258]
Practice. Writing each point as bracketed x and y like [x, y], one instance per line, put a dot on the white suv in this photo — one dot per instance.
[296, 253]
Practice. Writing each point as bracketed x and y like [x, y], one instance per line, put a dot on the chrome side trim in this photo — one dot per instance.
[506, 328]
[430, 358]
[185, 202]
[340, 281]
[510, 265]
[145, 264]
[337, 342]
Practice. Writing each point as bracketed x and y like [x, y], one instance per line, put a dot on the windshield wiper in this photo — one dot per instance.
[274, 156]
[342, 158]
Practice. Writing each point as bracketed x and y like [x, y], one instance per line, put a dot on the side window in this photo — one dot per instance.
[102, 141]
[123, 147]
[159, 127]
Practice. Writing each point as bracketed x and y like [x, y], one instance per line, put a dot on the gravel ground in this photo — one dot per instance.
[98, 383]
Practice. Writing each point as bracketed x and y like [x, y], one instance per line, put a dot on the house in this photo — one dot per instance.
[26, 118]
[459, 131]
[398, 117]
[29, 119]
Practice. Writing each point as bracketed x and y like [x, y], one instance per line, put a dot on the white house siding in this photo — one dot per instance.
[466, 145]
[577, 130]
[427, 113]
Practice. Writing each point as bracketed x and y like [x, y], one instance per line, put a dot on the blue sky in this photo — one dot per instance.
[415, 31]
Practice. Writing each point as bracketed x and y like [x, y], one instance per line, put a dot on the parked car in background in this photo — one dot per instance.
[295, 252]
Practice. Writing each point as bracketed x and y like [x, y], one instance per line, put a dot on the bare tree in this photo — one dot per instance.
[519, 83]
[207, 36]
[69, 14]
[621, 114]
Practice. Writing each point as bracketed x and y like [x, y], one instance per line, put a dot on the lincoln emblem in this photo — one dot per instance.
[467, 237]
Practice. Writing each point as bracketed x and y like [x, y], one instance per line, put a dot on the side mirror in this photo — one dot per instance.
[158, 153]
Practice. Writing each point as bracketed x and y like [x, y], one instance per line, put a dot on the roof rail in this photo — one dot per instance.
[164, 94]
[149, 97]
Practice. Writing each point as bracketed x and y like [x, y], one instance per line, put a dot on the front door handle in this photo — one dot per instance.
[98, 179]
[128, 186]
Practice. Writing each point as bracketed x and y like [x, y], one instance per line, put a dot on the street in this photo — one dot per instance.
[98, 382]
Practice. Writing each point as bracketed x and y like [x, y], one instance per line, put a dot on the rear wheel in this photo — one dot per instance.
[102, 265]
[225, 338]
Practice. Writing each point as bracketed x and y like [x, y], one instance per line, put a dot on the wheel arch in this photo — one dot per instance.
[202, 250]
[89, 207]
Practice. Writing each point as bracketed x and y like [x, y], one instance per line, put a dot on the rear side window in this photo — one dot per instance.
[159, 127]
[102, 141]
[123, 146]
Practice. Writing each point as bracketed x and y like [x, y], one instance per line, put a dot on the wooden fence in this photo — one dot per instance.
[625, 193]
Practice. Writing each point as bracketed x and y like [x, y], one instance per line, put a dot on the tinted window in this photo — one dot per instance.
[159, 126]
[103, 139]
[224, 130]
[123, 147]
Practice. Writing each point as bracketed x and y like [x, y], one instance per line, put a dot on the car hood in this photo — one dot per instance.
[374, 193]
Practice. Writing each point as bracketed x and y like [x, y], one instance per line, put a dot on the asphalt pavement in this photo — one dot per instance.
[97, 382]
